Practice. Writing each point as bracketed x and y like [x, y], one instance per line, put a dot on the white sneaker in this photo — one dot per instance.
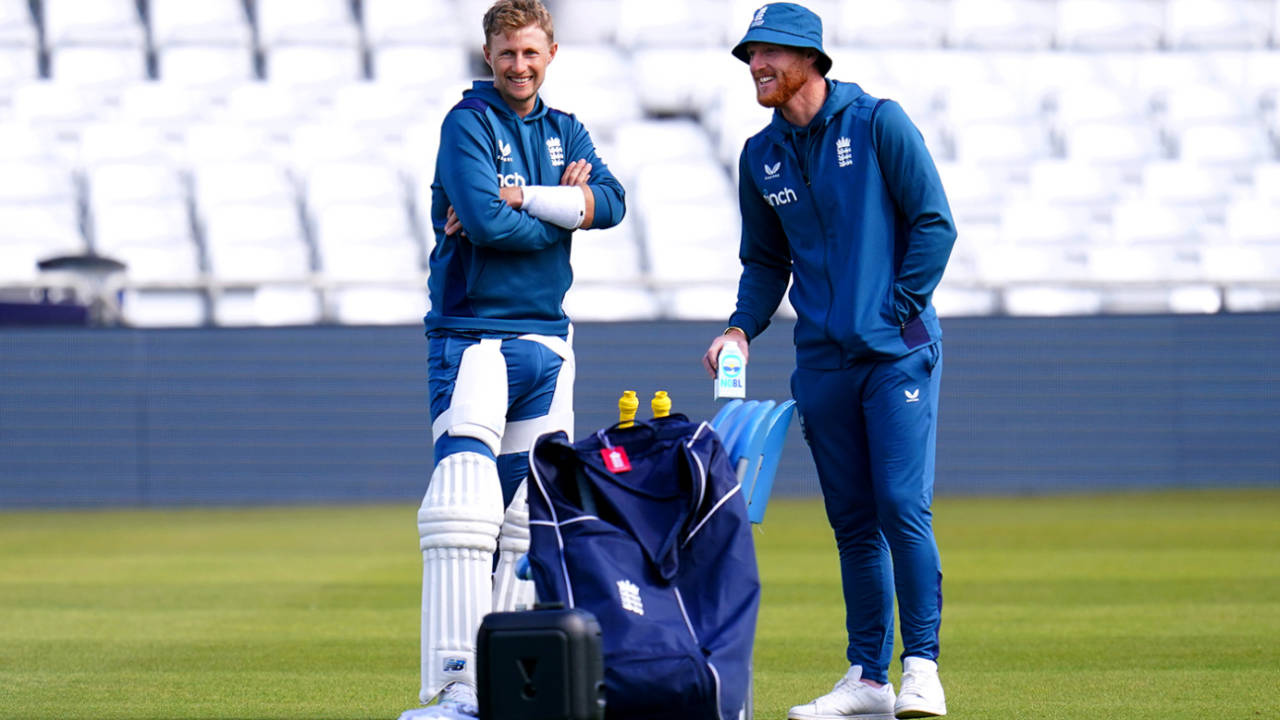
[921, 695]
[851, 699]
[456, 702]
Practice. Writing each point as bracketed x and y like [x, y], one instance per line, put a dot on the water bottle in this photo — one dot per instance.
[731, 372]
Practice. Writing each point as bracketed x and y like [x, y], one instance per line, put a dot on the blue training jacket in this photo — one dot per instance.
[511, 271]
[851, 206]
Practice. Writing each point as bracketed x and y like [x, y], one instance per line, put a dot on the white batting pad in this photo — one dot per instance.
[510, 592]
[479, 405]
[458, 527]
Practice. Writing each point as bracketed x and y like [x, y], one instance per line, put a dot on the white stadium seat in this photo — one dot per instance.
[135, 182]
[711, 301]
[98, 69]
[904, 23]
[224, 141]
[1068, 182]
[395, 22]
[36, 181]
[313, 66]
[1002, 24]
[437, 69]
[315, 144]
[683, 80]
[92, 22]
[267, 305]
[610, 302]
[30, 232]
[1110, 24]
[154, 241]
[654, 141]
[207, 22]
[1238, 145]
[1174, 182]
[339, 183]
[159, 308]
[387, 305]
[578, 22]
[17, 28]
[111, 142]
[367, 243]
[976, 192]
[22, 141]
[693, 242]
[1001, 143]
[218, 67]
[216, 183]
[171, 106]
[1254, 221]
[256, 243]
[314, 22]
[1026, 223]
[1198, 24]
[1266, 181]
[17, 64]
[61, 109]
[641, 23]
[609, 254]
[1194, 104]
[1126, 145]
[120, 142]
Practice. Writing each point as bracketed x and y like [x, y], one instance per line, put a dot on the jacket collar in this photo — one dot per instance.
[483, 90]
[839, 96]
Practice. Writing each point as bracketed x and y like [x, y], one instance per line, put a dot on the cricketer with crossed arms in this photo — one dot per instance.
[514, 178]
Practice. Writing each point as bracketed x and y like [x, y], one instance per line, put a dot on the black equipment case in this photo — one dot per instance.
[542, 664]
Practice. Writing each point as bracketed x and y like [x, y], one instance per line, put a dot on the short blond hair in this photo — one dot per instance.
[510, 15]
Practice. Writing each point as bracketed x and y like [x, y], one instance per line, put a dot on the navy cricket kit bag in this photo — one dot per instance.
[646, 528]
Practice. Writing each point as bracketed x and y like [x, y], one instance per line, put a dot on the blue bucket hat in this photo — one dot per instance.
[785, 24]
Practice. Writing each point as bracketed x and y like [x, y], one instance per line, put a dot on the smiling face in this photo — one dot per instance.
[519, 62]
[778, 71]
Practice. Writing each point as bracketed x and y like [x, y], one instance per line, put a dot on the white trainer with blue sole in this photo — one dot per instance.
[851, 699]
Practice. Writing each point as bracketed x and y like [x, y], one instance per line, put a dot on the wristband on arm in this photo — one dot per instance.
[561, 205]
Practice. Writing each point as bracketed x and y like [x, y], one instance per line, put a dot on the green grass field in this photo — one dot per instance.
[1132, 605]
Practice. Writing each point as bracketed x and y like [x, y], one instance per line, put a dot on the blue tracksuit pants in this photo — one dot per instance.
[872, 430]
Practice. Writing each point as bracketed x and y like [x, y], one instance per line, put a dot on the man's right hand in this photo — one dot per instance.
[712, 358]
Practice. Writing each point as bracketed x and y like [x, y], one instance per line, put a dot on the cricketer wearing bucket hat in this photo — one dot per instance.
[841, 201]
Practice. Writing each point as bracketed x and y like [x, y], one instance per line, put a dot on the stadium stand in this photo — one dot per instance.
[268, 162]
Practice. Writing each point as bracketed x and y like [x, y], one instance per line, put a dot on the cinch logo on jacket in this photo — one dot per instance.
[510, 180]
[783, 197]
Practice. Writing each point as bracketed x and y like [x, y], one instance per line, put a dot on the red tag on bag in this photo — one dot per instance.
[615, 459]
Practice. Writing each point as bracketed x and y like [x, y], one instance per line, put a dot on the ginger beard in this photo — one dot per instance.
[785, 84]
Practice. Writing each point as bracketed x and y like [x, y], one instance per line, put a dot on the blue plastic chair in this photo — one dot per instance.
[734, 423]
[775, 434]
[753, 433]
[723, 414]
[750, 439]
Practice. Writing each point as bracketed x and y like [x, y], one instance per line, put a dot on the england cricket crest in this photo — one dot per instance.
[844, 153]
[555, 151]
